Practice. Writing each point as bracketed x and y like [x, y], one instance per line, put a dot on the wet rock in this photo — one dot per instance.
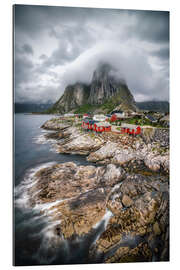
[54, 135]
[80, 144]
[55, 124]
[126, 200]
[105, 152]
[147, 201]
[113, 148]
[79, 198]
[153, 163]
[131, 158]
[157, 162]
[123, 156]
[77, 195]
[156, 228]
[79, 215]
[112, 175]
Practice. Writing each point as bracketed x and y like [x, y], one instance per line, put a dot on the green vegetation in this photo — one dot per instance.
[142, 122]
[51, 110]
[123, 99]
[108, 106]
[159, 150]
[92, 135]
[78, 124]
[86, 108]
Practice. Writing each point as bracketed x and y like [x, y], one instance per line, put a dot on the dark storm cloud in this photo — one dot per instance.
[153, 26]
[23, 70]
[27, 49]
[57, 45]
[148, 25]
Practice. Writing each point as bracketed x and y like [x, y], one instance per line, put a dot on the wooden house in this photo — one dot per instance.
[130, 129]
[102, 127]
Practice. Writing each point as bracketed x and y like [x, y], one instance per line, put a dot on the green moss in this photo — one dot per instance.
[51, 110]
[142, 122]
[86, 108]
[92, 135]
[108, 106]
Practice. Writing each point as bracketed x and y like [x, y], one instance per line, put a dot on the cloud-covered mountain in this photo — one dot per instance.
[59, 46]
[105, 92]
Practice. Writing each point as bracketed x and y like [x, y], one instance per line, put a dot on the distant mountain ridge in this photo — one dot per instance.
[104, 93]
[159, 106]
[31, 107]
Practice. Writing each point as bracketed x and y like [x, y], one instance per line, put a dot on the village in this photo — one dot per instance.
[119, 122]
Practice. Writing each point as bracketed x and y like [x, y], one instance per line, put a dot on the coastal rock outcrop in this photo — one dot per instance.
[134, 154]
[119, 208]
[143, 156]
[81, 193]
[55, 124]
[131, 210]
[138, 229]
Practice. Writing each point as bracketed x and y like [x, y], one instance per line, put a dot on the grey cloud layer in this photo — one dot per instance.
[55, 46]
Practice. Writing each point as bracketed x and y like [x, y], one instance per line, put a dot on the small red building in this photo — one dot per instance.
[96, 126]
[130, 130]
[103, 127]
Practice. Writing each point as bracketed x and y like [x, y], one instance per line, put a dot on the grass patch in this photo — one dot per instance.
[86, 108]
[142, 122]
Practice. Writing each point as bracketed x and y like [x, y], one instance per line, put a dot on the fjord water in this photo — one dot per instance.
[30, 153]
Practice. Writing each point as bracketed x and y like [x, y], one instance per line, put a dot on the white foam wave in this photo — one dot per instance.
[116, 187]
[21, 191]
[115, 196]
[40, 139]
[46, 207]
[105, 218]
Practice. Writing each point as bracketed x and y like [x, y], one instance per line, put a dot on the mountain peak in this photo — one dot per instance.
[105, 87]
[105, 84]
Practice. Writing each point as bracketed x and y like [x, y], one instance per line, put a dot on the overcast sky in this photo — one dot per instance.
[57, 46]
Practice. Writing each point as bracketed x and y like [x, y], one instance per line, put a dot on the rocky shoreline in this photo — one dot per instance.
[125, 196]
[137, 152]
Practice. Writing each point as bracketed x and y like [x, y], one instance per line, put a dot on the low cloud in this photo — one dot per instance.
[57, 46]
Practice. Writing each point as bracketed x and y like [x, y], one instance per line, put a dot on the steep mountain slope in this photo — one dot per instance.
[105, 93]
[106, 87]
[73, 97]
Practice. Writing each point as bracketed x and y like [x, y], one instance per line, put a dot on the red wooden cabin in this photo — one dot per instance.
[108, 129]
[113, 118]
[103, 127]
[131, 131]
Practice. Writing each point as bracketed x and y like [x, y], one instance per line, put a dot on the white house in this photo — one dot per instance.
[69, 115]
[99, 117]
[120, 115]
